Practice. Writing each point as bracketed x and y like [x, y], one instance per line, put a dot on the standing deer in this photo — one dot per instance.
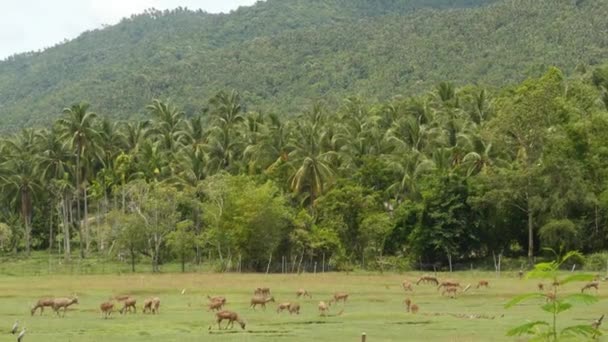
[593, 284]
[59, 303]
[231, 317]
[255, 301]
[106, 309]
[302, 292]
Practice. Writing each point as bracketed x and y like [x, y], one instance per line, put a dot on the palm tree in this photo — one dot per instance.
[18, 177]
[167, 124]
[78, 130]
[225, 146]
[311, 166]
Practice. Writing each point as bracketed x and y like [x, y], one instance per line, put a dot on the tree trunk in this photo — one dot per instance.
[51, 228]
[132, 250]
[87, 235]
[77, 189]
[66, 229]
[25, 213]
[530, 235]
[183, 263]
[197, 230]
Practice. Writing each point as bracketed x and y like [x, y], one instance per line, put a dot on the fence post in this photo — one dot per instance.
[363, 337]
[315, 271]
[324, 263]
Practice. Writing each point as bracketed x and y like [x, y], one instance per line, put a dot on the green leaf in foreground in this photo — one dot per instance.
[527, 328]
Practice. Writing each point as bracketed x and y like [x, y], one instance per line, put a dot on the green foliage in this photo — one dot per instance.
[281, 55]
[559, 234]
[554, 304]
[597, 262]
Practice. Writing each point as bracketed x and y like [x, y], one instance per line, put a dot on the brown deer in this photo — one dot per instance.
[593, 284]
[216, 299]
[255, 301]
[59, 303]
[323, 308]
[483, 283]
[451, 291]
[294, 308]
[106, 309]
[550, 297]
[120, 298]
[520, 274]
[449, 283]
[215, 305]
[41, 303]
[414, 309]
[152, 305]
[407, 286]
[427, 279]
[128, 304]
[231, 317]
[408, 304]
[262, 291]
[302, 292]
[340, 296]
[283, 306]
[541, 287]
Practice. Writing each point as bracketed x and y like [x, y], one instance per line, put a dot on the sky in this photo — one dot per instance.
[29, 25]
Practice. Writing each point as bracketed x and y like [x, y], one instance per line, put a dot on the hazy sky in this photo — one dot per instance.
[28, 25]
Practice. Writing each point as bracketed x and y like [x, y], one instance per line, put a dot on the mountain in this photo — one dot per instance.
[283, 54]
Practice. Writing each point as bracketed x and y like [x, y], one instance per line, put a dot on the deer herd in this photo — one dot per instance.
[262, 296]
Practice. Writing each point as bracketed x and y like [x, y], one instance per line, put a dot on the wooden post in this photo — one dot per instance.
[315, 271]
[363, 337]
[324, 263]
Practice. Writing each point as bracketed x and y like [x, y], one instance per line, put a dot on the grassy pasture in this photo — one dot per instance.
[375, 306]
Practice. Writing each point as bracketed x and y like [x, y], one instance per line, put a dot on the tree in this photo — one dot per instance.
[182, 241]
[128, 230]
[78, 130]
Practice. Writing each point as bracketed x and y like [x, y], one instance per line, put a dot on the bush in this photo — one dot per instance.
[596, 261]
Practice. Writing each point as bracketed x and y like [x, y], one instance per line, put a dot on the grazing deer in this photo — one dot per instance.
[283, 306]
[255, 301]
[408, 304]
[427, 279]
[106, 309]
[483, 283]
[451, 291]
[593, 284]
[42, 302]
[262, 291]
[556, 284]
[216, 299]
[340, 296]
[449, 283]
[323, 308]
[414, 309]
[128, 304]
[541, 287]
[302, 292]
[294, 308]
[152, 305]
[407, 286]
[231, 317]
[215, 305]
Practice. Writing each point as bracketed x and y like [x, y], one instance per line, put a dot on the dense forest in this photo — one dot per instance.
[456, 173]
[282, 55]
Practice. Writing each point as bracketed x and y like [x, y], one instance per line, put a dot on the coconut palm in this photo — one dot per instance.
[78, 131]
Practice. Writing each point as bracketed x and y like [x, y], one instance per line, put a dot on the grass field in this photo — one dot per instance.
[375, 307]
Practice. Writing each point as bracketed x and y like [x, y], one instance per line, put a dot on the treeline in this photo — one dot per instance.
[454, 174]
[281, 54]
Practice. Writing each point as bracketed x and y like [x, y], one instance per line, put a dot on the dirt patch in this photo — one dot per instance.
[413, 323]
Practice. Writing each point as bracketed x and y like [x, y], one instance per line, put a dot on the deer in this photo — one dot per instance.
[593, 284]
[550, 297]
[59, 303]
[340, 296]
[407, 286]
[427, 279]
[414, 309]
[217, 298]
[449, 283]
[128, 304]
[540, 286]
[323, 308]
[255, 301]
[106, 309]
[231, 317]
[120, 298]
[283, 306]
[41, 303]
[521, 274]
[294, 308]
[483, 283]
[262, 291]
[302, 292]
[215, 305]
[151, 305]
[451, 291]
[408, 304]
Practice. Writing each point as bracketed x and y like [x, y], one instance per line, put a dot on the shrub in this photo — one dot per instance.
[597, 262]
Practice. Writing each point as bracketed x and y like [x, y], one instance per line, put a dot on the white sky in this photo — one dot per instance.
[27, 25]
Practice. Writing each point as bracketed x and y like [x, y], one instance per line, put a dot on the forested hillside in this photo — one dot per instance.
[283, 55]
[456, 174]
